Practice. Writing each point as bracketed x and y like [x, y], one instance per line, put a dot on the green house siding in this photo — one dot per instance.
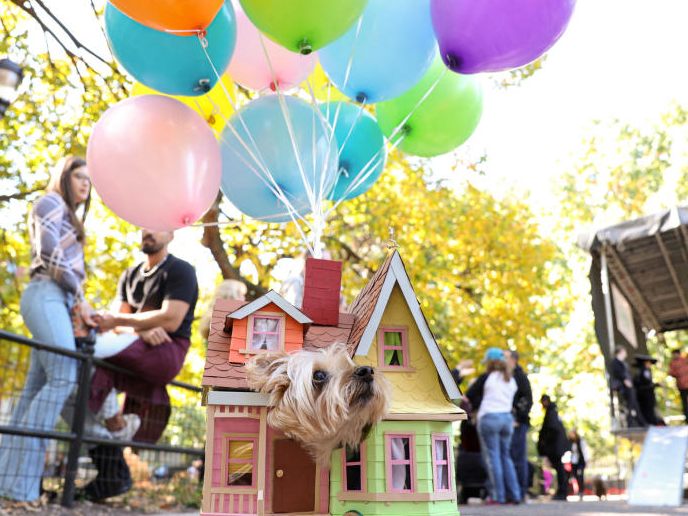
[376, 473]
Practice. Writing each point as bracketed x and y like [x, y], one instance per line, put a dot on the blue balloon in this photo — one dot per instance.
[299, 152]
[361, 147]
[171, 63]
[394, 48]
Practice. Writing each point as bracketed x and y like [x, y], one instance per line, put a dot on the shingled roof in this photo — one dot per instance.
[364, 305]
[219, 372]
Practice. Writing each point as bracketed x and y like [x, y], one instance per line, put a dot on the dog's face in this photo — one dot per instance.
[321, 398]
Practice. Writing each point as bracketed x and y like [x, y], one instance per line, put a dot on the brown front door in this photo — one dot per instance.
[293, 478]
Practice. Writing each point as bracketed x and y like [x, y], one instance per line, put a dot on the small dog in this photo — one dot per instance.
[320, 398]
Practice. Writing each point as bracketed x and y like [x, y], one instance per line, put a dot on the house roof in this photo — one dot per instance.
[363, 306]
[648, 261]
[219, 372]
[263, 301]
[370, 305]
[357, 328]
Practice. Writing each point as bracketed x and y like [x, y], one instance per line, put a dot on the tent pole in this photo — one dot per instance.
[607, 293]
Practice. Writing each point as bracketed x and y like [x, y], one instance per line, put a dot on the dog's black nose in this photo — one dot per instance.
[364, 373]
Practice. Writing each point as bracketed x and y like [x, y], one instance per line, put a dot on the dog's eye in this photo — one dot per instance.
[319, 376]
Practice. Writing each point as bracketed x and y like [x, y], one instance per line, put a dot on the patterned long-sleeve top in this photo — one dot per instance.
[55, 251]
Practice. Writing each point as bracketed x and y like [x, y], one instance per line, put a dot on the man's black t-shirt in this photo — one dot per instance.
[173, 279]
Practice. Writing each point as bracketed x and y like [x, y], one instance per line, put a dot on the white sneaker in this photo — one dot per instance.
[131, 426]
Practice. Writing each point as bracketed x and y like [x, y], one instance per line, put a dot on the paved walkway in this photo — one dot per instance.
[570, 509]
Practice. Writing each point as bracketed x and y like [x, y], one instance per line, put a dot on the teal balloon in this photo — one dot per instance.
[167, 62]
[392, 50]
[259, 132]
[361, 149]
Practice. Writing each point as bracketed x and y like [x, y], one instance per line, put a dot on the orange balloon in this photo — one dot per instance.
[171, 15]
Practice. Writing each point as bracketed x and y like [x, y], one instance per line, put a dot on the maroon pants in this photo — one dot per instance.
[153, 368]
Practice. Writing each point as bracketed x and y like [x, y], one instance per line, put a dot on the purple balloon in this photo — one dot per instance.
[494, 35]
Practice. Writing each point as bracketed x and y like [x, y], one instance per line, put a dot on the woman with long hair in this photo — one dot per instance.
[53, 294]
[492, 395]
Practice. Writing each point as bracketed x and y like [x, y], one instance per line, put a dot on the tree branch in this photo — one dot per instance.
[213, 241]
[21, 195]
[70, 35]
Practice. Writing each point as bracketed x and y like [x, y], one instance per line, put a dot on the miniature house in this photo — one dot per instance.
[405, 464]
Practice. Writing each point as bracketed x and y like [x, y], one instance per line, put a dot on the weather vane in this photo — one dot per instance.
[391, 243]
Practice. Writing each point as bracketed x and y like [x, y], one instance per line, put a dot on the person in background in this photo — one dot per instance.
[150, 339]
[645, 389]
[552, 444]
[55, 292]
[579, 458]
[492, 395]
[678, 368]
[523, 402]
[463, 369]
[621, 381]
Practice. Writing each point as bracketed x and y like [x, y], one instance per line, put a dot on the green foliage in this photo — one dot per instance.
[623, 171]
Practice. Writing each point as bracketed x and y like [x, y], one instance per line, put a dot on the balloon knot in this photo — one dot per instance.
[305, 47]
[273, 85]
[204, 85]
[453, 62]
[211, 119]
[344, 169]
[186, 220]
[361, 97]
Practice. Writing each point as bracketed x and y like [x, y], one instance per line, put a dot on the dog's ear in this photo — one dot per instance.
[267, 372]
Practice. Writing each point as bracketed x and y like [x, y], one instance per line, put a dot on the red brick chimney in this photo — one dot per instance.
[321, 291]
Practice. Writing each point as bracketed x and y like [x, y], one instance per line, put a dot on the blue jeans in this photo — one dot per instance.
[519, 455]
[49, 382]
[494, 431]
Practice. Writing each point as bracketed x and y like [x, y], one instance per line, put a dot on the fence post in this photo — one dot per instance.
[80, 408]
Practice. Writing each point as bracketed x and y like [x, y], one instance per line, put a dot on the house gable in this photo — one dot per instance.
[396, 276]
[416, 387]
[291, 332]
[274, 298]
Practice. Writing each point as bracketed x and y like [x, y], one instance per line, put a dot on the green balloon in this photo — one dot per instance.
[303, 25]
[439, 123]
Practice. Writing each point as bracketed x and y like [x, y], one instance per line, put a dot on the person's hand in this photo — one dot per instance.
[87, 314]
[105, 321]
[155, 336]
[628, 383]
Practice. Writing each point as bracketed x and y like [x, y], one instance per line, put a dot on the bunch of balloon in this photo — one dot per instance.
[328, 90]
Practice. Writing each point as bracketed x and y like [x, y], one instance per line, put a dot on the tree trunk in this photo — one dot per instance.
[212, 239]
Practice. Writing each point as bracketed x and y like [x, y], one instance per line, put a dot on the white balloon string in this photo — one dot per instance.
[347, 74]
[257, 157]
[341, 145]
[420, 101]
[314, 195]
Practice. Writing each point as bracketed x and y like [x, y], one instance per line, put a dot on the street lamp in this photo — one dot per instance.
[10, 77]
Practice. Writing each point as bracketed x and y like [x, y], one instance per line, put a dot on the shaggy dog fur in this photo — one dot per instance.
[320, 398]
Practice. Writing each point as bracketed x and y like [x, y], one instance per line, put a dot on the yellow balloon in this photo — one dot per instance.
[323, 89]
[215, 107]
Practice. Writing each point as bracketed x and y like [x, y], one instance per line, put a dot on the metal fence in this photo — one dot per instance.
[72, 455]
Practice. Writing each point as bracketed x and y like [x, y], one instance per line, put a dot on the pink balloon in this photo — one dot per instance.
[251, 68]
[154, 162]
